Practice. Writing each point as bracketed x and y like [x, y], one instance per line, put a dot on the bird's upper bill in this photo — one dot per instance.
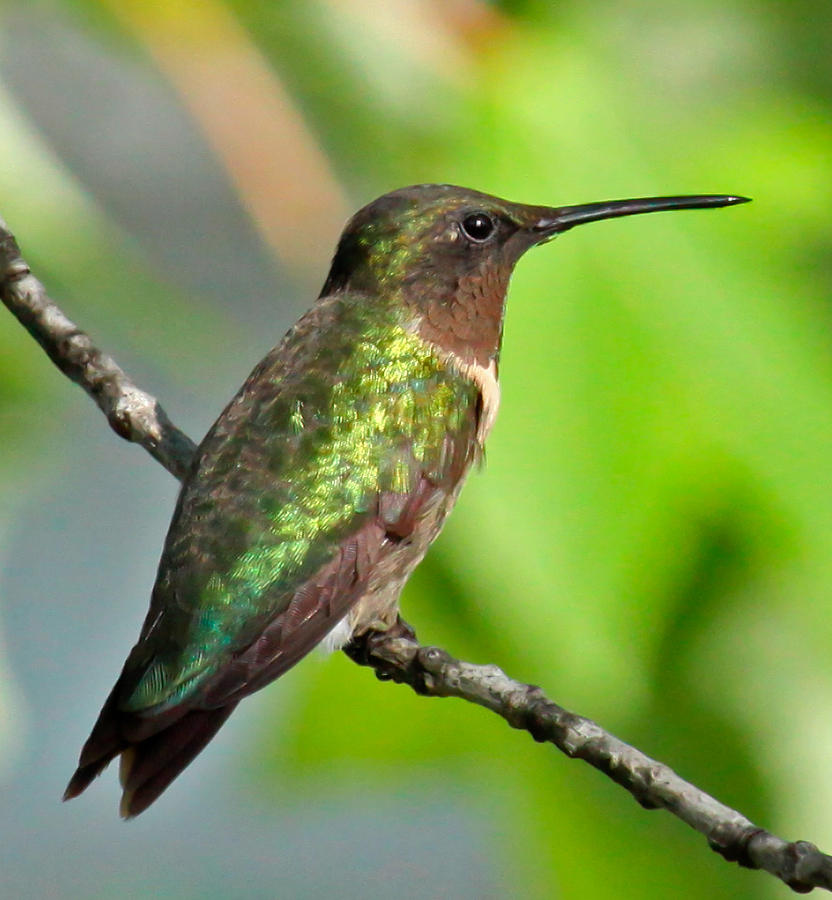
[554, 221]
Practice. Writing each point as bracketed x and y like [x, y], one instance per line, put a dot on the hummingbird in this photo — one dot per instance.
[326, 478]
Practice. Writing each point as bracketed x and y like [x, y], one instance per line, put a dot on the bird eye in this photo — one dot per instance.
[478, 226]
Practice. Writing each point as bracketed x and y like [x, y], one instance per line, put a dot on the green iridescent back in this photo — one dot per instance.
[352, 403]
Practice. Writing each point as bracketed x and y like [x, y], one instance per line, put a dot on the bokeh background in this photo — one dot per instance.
[651, 540]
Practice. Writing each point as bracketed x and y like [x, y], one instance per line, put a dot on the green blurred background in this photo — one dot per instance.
[651, 540]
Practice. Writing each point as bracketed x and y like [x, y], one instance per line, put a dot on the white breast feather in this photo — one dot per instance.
[339, 636]
[485, 378]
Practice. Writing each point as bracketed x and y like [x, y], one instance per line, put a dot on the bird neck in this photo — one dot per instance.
[463, 318]
[459, 313]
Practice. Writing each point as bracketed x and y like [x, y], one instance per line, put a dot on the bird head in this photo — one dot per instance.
[447, 254]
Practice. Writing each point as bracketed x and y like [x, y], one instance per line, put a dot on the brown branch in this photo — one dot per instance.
[432, 672]
[138, 417]
[132, 413]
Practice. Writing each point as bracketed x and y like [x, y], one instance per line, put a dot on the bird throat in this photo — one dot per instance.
[466, 319]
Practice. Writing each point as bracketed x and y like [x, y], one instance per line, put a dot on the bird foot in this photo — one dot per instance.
[362, 649]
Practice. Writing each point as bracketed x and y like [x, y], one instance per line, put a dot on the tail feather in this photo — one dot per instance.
[102, 746]
[148, 767]
[154, 750]
[85, 775]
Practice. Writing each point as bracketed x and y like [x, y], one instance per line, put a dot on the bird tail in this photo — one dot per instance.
[153, 750]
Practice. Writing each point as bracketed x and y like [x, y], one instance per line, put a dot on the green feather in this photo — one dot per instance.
[359, 407]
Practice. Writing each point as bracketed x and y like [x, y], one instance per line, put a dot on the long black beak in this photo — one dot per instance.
[563, 218]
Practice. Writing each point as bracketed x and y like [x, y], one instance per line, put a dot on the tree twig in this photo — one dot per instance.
[430, 671]
[132, 413]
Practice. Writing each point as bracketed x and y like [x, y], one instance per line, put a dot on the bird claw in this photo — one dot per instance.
[363, 649]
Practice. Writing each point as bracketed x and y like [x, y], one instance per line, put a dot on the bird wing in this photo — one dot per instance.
[282, 518]
[337, 447]
[327, 457]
